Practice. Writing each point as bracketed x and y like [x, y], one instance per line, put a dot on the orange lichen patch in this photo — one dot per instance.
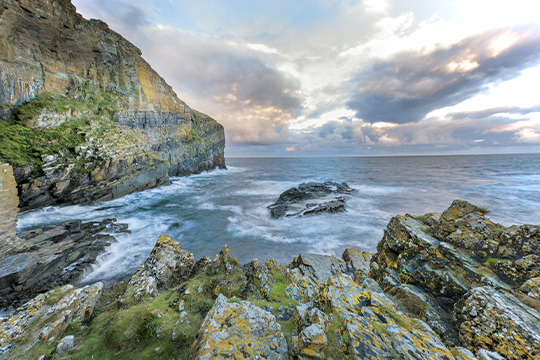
[238, 331]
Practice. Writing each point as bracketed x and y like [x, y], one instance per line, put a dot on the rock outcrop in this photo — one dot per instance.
[432, 291]
[311, 198]
[464, 274]
[9, 209]
[40, 260]
[123, 128]
[239, 330]
[167, 264]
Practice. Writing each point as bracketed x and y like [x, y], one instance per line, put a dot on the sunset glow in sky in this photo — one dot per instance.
[371, 77]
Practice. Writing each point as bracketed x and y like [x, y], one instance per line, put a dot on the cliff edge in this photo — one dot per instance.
[85, 116]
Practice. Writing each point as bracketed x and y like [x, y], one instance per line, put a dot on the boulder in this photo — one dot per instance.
[492, 320]
[311, 198]
[167, 264]
[239, 330]
[65, 345]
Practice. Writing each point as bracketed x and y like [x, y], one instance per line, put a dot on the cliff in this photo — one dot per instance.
[450, 286]
[85, 116]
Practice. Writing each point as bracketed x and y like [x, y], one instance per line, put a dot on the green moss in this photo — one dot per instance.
[492, 261]
[423, 218]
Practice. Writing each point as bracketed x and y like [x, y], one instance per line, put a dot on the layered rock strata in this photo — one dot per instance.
[9, 209]
[40, 260]
[133, 132]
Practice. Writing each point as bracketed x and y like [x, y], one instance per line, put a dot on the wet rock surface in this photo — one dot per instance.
[40, 260]
[311, 198]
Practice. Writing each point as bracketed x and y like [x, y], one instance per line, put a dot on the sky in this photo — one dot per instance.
[345, 77]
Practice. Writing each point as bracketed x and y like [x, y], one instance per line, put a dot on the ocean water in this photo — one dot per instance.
[206, 211]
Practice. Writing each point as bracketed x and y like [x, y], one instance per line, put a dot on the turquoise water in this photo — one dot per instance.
[206, 211]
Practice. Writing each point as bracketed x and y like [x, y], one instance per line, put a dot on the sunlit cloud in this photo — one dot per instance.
[346, 77]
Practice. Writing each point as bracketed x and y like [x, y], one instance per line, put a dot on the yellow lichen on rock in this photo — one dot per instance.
[238, 330]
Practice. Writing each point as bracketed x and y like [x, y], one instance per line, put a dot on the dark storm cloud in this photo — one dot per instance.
[411, 85]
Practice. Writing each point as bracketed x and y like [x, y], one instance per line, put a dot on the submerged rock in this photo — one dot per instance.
[53, 256]
[311, 198]
[239, 330]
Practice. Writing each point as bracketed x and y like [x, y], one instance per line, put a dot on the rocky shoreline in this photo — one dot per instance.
[441, 286]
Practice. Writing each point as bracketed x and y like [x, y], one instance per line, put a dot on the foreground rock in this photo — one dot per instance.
[465, 275]
[46, 317]
[40, 260]
[311, 198]
[434, 290]
[239, 330]
[168, 264]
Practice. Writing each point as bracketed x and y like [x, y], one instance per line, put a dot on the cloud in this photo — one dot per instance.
[412, 84]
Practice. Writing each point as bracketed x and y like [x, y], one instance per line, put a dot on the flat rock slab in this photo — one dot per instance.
[311, 198]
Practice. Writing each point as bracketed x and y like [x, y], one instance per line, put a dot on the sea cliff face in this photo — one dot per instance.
[86, 117]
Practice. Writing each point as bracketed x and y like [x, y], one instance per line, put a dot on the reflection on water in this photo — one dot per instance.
[206, 211]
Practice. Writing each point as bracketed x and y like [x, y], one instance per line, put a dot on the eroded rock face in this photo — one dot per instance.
[311, 198]
[37, 259]
[49, 48]
[435, 265]
[166, 265]
[239, 330]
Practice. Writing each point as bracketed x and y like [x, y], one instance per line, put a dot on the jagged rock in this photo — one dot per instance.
[39, 257]
[495, 321]
[358, 261]
[524, 239]
[302, 289]
[242, 330]
[391, 341]
[260, 279]
[518, 271]
[310, 343]
[311, 198]
[342, 295]
[319, 267]
[532, 288]
[167, 264]
[65, 345]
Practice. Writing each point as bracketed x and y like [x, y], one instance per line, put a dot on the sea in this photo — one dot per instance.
[229, 207]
